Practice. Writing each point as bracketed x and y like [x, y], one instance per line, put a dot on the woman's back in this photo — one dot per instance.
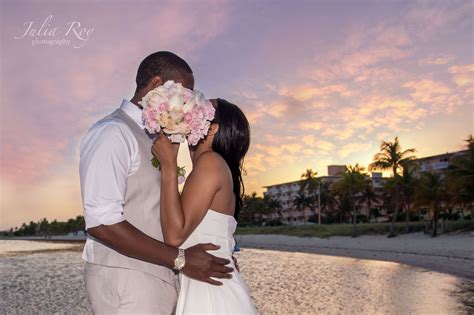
[224, 199]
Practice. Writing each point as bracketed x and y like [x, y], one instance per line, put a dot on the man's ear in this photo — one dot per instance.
[155, 82]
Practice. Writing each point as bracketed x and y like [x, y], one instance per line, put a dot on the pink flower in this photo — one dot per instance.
[193, 138]
[187, 95]
[163, 107]
[149, 118]
[188, 117]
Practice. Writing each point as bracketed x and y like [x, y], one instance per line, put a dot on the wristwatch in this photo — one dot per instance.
[180, 260]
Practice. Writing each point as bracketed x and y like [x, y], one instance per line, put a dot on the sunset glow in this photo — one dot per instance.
[322, 82]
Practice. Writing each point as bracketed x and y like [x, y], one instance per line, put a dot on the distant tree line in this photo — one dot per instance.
[46, 228]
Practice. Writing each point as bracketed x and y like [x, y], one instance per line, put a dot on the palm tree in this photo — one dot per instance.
[253, 206]
[461, 175]
[300, 202]
[368, 195]
[391, 157]
[272, 205]
[388, 193]
[407, 183]
[310, 184]
[350, 185]
[44, 227]
[432, 191]
[328, 199]
[309, 177]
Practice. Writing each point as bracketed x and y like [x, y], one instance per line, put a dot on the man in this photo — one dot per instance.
[129, 268]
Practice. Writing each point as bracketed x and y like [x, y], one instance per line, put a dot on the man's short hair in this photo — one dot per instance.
[165, 64]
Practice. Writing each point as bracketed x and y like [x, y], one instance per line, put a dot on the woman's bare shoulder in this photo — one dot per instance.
[210, 157]
[212, 162]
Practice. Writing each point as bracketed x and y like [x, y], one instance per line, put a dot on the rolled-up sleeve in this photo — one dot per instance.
[105, 158]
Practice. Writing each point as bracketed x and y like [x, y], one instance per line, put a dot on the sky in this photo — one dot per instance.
[321, 82]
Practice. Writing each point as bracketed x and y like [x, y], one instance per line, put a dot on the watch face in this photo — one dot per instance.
[179, 263]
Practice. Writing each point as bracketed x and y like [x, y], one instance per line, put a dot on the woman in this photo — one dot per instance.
[207, 210]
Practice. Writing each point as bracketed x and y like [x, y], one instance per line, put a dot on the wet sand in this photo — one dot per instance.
[302, 283]
[280, 282]
[452, 254]
[26, 247]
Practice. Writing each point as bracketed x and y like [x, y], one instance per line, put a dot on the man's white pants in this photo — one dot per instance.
[126, 291]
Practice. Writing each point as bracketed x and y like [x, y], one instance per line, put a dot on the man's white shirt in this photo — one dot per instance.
[108, 155]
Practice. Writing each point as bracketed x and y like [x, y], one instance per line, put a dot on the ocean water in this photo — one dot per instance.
[280, 282]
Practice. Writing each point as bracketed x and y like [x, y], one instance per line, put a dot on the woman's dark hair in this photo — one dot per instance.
[232, 142]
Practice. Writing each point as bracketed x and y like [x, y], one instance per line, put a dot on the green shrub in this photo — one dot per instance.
[327, 230]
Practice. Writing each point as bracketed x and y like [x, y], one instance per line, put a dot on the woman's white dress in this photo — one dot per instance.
[198, 297]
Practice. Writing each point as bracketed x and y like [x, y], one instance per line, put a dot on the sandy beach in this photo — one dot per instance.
[49, 280]
[448, 253]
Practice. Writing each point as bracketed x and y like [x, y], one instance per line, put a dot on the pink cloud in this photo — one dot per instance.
[305, 92]
[350, 148]
[61, 91]
[436, 60]
[28, 160]
[436, 94]
[310, 125]
[463, 75]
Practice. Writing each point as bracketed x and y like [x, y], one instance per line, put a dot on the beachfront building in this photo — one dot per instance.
[439, 162]
[286, 193]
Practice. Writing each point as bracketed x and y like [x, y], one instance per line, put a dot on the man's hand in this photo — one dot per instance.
[201, 265]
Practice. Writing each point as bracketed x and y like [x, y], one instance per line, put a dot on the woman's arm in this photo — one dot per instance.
[181, 215]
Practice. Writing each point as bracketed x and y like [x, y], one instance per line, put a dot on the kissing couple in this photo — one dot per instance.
[150, 249]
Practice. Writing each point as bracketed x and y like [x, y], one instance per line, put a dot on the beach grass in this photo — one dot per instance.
[327, 230]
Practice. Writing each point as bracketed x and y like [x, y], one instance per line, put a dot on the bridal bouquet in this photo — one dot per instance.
[178, 112]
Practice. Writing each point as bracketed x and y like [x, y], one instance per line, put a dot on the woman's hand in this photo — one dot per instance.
[165, 151]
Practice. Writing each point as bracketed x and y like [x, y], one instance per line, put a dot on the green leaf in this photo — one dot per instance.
[155, 163]
[181, 171]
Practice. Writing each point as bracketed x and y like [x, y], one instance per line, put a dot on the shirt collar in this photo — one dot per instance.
[133, 111]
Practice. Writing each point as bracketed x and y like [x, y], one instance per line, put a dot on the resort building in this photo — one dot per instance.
[438, 163]
[286, 193]
[336, 170]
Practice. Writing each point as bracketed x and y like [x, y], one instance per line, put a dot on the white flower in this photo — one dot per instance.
[176, 101]
[169, 84]
[200, 98]
[189, 105]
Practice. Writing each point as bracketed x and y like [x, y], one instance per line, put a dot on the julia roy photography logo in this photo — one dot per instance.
[48, 33]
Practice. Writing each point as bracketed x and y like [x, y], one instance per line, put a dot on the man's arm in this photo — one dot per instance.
[126, 239]
[108, 155]
[129, 241]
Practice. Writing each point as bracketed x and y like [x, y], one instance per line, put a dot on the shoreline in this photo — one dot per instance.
[449, 254]
[53, 239]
